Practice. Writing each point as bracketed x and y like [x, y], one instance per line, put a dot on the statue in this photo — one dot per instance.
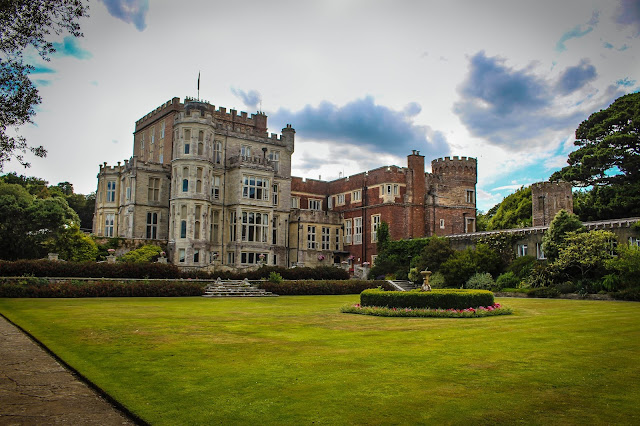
[425, 284]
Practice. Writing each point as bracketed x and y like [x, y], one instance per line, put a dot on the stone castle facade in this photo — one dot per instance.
[216, 189]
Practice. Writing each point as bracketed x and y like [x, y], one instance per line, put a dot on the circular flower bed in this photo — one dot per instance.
[481, 311]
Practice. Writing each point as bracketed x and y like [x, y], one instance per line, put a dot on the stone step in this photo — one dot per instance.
[235, 289]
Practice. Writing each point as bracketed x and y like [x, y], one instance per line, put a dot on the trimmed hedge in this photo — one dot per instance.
[39, 287]
[47, 268]
[434, 299]
[324, 287]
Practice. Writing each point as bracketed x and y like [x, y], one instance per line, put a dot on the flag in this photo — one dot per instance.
[198, 80]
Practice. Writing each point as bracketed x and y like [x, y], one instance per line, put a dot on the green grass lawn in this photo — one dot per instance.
[299, 360]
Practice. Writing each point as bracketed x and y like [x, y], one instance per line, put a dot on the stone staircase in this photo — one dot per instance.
[234, 288]
[400, 285]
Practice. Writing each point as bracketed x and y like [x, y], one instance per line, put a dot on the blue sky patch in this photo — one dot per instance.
[70, 47]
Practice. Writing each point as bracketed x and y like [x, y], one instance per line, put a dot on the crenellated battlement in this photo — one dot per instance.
[455, 165]
[171, 105]
[104, 169]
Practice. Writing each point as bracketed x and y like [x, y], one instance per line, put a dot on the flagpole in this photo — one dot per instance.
[198, 85]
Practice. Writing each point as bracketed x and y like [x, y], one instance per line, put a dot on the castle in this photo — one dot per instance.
[216, 189]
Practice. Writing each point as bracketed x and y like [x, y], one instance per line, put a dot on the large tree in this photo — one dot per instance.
[512, 212]
[608, 156]
[24, 24]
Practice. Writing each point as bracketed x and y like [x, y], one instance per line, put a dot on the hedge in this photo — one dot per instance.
[39, 287]
[47, 268]
[323, 287]
[434, 299]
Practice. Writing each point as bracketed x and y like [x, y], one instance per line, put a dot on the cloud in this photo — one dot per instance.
[40, 82]
[607, 45]
[251, 99]
[628, 13]
[41, 69]
[577, 32]
[130, 11]
[364, 123]
[70, 47]
[507, 107]
[574, 78]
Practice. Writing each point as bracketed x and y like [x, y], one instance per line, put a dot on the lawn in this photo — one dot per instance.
[298, 360]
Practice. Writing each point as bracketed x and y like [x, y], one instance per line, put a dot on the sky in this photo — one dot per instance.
[363, 82]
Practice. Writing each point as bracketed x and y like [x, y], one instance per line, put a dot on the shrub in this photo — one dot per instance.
[38, 287]
[522, 266]
[321, 287]
[567, 287]
[631, 294]
[481, 281]
[507, 280]
[435, 299]
[275, 277]
[437, 280]
[414, 275]
[146, 253]
[546, 292]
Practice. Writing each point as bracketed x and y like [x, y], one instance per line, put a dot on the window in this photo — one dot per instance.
[187, 135]
[255, 226]
[295, 202]
[233, 219]
[186, 148]
[347, 231]
[441, 223]
[198, 186]
[128, 193]
[200, 148]
[470, 196]
[196, 230]
[315, 204]
[522, 250]
[108, 224]
[274, 156]
[337, 239]
[275, 194]
[340, 199]
[634, 241]
[200, 136]
[396, 191]
[217, 152]
[162, 130]
[215, 188]
[388, 189]
[312, 244]
[231, 258]
[539, 251]
[274, 230]
[330, 203]
[356, 196]
[111, 191]
[375, 223]
[153, 136]
[326, 240]
[154, 189]
[357, 230]
[196, 256]
[251, 258]
[245, 151]
[185, 185]
[142, 146]
[152, 225]
[183, 229]
[181, 255]
[215, 227]
[255, 188]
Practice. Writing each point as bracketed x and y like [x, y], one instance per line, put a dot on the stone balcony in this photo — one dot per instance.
[253, 162]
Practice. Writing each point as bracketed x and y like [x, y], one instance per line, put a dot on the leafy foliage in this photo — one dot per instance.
[480, 281]
[434, 299]
[396, 257]
[514, 211]
[145, 253]
[587, 252]
[554, 238]
[463, 264]
[507, 280]
[435, 252]
[319, 287]
[607, 158]
[23, 24]
[626, 265]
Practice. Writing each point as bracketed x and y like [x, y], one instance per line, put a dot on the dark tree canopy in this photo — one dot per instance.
[608, 146]
[23, 24]
[512, 212]
[608, 159]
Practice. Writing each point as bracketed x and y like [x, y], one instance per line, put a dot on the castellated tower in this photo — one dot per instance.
[451, 193]
[548, 198]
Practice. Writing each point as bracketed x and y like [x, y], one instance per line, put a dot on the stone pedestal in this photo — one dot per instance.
[53, 256]
[111, 258]
[425, 284]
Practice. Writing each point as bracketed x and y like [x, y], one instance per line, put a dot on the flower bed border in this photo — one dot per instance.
[383, 311]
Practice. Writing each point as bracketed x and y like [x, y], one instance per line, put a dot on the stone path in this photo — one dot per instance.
[36, 390]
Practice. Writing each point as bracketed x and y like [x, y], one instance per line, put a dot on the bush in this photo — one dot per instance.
[480, 281]
[567, 287]
[146, 253]
[299, 288]
[38, 287]
[545, 292]
[275, 277]
[507, 280]
[435, 299]
[631, 294]
[522, 266]
[437, 280]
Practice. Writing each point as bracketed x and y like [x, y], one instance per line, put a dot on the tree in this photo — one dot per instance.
[383, 235]
[435, 253]
[608, 156]
[72, 245]
[512, 212]
[554, 238]
[586, 252]
[28, 23]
